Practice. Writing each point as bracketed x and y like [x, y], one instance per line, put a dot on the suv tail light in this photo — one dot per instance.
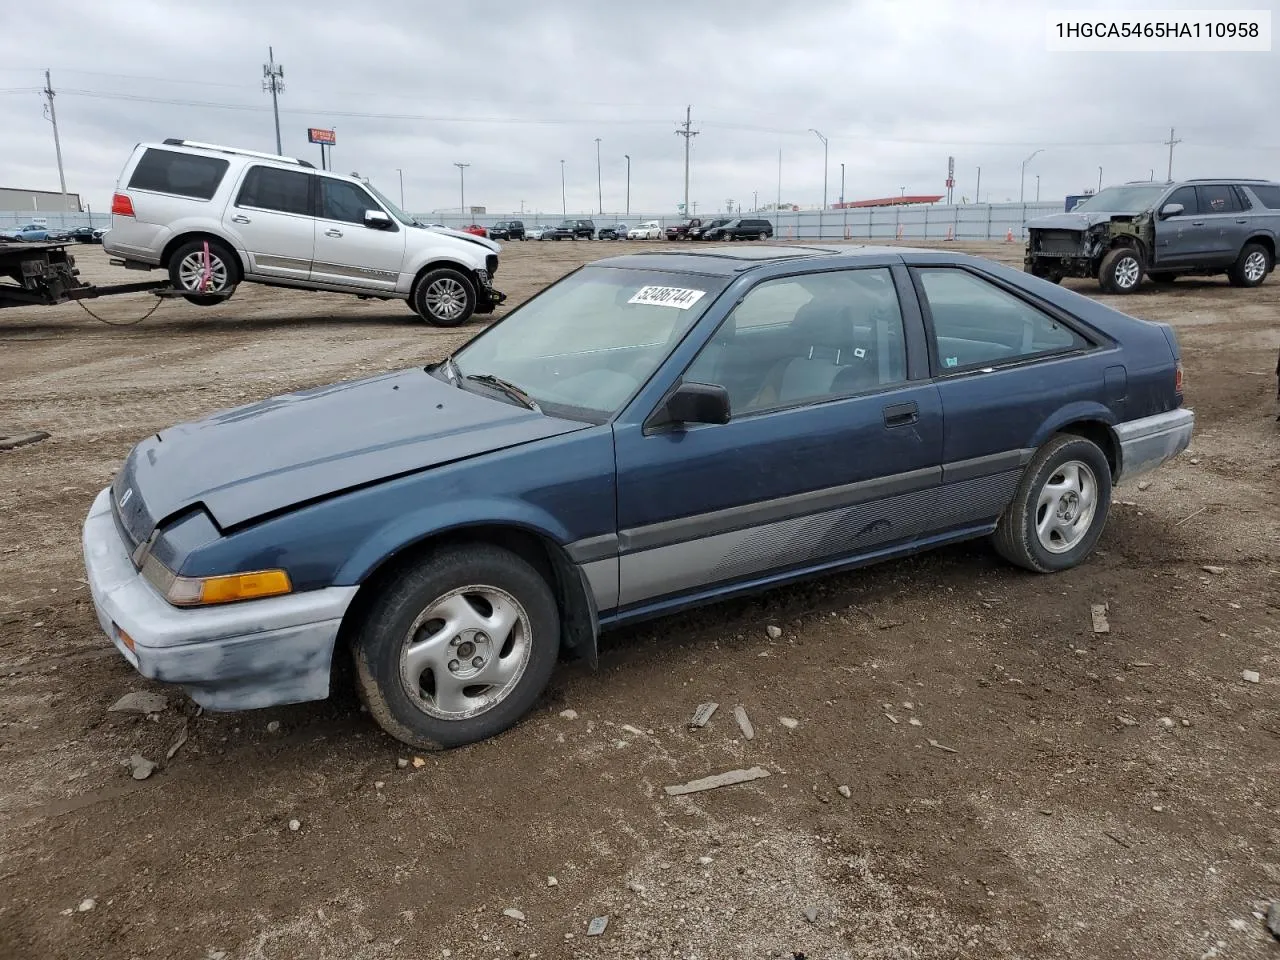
[122, 205]
[1177, 378]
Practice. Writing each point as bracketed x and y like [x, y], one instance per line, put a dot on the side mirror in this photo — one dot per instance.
[376, 219]
[699, 403]
[1171, 210]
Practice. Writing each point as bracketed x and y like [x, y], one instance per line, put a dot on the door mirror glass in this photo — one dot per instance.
[1171, 210]
[699, 403]
[376, 219]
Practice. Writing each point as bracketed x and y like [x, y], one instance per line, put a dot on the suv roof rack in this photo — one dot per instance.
[179, 142]
[1231, 179]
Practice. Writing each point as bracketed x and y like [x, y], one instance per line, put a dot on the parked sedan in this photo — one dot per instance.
[85, 235]
[651, 432]
[651, 230]
[613, 231]
[28, 232]
[475, 230]
[538, 232]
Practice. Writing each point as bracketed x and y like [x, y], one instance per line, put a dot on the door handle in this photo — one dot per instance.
[1197, 223]
[240, 218]
[333, 233]
[1242, 219]
[901, 414]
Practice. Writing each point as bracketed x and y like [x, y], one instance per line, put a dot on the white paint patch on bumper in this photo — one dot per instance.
[1147, 443]
[257, 653]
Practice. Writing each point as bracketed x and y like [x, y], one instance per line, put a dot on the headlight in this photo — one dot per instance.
[205, 591]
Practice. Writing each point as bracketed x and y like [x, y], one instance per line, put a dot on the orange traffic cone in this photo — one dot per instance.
[1008, 237]
[900, 229]
[950, 234]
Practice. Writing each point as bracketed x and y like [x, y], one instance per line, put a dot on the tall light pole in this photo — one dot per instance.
[401, 173]
[824, 167]
[844, 212]
[842, 184]
[977, 190]
[628, 156]
[599, 188]
[1023, 179]
[1037, 188]
[57, 144]
[1099, 179]
[564, 207]
[273, 81]
[462, 186]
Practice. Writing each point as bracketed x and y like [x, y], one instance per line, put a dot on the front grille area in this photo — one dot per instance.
[491, 264]
[1062, 242]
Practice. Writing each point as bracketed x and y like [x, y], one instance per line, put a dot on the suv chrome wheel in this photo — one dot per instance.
[1255, 266]
[445, 298]
[191, 274]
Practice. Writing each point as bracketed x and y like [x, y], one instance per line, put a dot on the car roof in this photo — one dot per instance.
[730, 260]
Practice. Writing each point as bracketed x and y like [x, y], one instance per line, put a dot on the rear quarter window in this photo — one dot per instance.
[180, 174]
[1268, 194]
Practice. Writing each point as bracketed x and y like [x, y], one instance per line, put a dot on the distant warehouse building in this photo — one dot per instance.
[38, 201]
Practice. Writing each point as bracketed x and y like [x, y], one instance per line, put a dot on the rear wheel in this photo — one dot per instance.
[1059, 508]
[444, 297]
[1121, 270]
[201, 281]
[1251, 267]
[457, 648]
[763, 236]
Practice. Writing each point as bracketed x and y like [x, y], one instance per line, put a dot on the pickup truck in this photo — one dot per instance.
[1163, 231]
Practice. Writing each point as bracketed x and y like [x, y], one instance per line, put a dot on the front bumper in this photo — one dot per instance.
[257, 653]
[1151, 441]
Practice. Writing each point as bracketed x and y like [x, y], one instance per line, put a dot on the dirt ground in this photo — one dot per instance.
[1064, 819]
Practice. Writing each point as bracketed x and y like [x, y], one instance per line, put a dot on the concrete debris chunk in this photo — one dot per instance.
[727, 779]
[1273, 919]
[789, 722]
[273, 726]
[915, 721]
[402, 762]
[1099, 614]
[744, 722]
[552, 882]
[1210, 568]
[1127, 721]
[1166, 722]
[513, 913]
[844, 791]
[569, 714]
[418, 763]
[704, 713]
[87, 904]
[140, 767]
[773, 631]
[140, 701]
[597, 926]
[811, 914]
[295, 825]
[1251, 676]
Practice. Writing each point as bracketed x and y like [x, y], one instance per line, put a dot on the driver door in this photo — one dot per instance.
[1180, 240]
[347, 251]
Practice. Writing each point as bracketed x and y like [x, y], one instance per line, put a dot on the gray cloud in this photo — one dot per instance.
[513, 88]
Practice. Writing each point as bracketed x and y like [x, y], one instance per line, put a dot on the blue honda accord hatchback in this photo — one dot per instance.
[651, 432]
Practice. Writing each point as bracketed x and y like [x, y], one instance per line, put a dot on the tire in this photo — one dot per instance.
[424, 701]
[1121, 270]
[763, 236]
[444, 297]
[1054, 485]
[1251, 267]
[186, 271]
[204, 300]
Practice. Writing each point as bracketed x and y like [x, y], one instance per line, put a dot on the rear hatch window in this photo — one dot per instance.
[180, 174]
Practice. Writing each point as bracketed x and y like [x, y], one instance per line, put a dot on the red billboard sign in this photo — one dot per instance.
[316, 135]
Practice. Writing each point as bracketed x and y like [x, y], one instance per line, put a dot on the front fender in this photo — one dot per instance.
[437, 518]
[1075, 412]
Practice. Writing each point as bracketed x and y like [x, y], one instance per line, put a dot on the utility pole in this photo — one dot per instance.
[462, 186]
[1099, 179]
[755, 201]
[599, 188]
[778, 205]
[1023, 180]
[977, 190]
[842, 184]
[628, 156]
[1171, 142]
[57, 143]
[401, 173]
[824, 167]
[273, 81]
[844, 211]
[1037, 188]
[688, 134]
[564, 207]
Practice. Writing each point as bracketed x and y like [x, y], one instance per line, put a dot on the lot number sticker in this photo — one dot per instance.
[678, 297]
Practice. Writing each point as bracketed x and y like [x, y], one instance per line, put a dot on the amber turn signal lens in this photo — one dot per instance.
[190, 592]
[125, 638]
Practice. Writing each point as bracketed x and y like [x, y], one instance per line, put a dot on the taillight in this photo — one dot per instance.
[122, 205]
[1177, 379]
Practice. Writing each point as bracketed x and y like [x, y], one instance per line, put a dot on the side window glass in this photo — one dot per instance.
[1268, 193]
[270, 189]
[1218, 198]
[807, 339]
[1187, 197]
[977, 323]
[344, 201]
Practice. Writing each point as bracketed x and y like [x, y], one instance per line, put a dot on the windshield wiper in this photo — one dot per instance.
[510, 389]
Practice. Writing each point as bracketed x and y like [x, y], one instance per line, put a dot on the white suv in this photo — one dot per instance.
[214, 216]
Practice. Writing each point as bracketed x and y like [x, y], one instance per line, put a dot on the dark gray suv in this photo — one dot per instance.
[1163, 231]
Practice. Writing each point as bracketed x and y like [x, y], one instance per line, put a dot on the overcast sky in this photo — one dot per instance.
[512, 88]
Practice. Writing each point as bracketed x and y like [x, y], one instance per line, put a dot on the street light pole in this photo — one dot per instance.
[599, 188]
[824, 167]
[1099, 179]
[1023, 179]
[628, 156]
[401, 173]
[462, 185]
[564, 207]
[1037, 188]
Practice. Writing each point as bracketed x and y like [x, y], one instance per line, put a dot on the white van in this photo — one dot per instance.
[214, 216]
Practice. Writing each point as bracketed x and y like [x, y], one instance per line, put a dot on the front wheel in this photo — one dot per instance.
[1059, 508]
[444, 298]
[1251, 267]
[457, 648]
[1121, 270]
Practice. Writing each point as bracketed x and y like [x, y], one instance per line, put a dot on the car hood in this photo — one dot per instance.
[1075, 221]
[470, 237]
[254, 460]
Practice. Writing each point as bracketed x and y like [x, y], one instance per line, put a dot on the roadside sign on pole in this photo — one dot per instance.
[317, 135]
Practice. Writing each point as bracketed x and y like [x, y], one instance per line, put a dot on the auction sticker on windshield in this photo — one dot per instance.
[679, 297]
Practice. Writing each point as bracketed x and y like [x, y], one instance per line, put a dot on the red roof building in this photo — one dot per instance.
[885, 202]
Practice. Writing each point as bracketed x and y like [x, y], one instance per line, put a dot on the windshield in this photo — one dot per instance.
[1133, 198]
[586, 344]
[395, 211]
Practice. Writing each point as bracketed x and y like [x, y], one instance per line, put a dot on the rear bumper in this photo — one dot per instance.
[1147, 443]
[258, 653]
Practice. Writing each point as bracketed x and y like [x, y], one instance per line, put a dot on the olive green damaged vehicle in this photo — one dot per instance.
[1162, 231]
